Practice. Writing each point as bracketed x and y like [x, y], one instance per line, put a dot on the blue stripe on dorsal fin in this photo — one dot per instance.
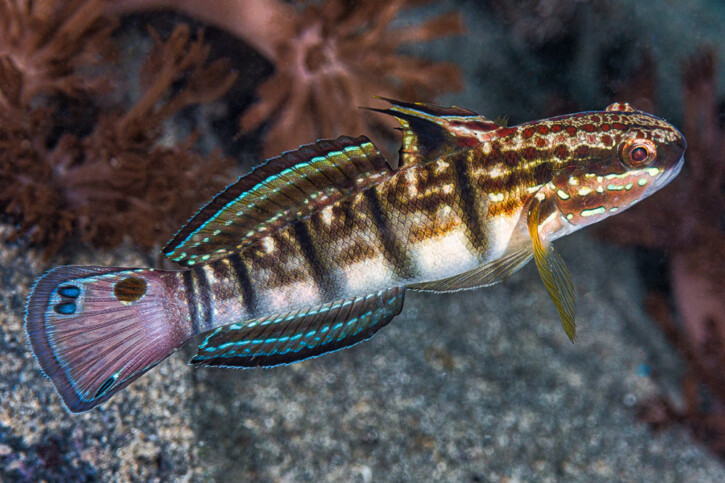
[431, 131]
[286, 338]
[280, 191]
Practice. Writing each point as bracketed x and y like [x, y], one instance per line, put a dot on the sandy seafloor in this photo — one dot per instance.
[473, 386]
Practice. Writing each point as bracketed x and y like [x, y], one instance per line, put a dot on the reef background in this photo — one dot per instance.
[111, 134]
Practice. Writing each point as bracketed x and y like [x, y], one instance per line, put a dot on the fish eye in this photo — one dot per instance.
[638, 153]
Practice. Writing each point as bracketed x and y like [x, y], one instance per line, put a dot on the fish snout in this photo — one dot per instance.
[670, 173]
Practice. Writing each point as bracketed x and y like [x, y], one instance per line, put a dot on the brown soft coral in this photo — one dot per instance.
[331, 57]
[685, 221]
[336, 59]
[49, 47]
[119, 179]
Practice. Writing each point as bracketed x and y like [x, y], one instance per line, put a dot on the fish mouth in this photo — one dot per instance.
[665, 179]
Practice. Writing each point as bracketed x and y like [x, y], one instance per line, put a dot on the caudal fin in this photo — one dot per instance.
[96, 329]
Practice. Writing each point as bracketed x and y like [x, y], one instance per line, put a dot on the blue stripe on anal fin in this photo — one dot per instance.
[94, 330]
[295, 336]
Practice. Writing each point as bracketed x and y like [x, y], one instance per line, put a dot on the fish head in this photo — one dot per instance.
[618, 157]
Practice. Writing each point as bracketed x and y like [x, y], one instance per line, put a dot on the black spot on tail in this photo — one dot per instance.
[107, 384]
[130, 289]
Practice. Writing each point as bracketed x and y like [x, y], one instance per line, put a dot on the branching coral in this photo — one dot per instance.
[113, 177]
[118, 178]
[338, 59]
[331, 57]
[45, 46]
[686, 221]
[705, 418]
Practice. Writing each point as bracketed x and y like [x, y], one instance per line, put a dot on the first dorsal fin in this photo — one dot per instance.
[431, 131]
[293, 185]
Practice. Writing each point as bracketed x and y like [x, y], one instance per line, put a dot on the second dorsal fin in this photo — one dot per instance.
[431, 131]
[286, 188]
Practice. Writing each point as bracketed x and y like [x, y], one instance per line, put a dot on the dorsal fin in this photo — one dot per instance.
[431, 131]
[293, 185]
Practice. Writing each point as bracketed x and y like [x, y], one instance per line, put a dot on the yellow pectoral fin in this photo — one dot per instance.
[553, 273]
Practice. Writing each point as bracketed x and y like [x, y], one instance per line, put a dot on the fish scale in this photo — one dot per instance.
[314, 250]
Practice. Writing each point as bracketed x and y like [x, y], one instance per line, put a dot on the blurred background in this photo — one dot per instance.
[118, 120]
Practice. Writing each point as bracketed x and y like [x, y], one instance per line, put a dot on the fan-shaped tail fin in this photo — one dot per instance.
[96, 329]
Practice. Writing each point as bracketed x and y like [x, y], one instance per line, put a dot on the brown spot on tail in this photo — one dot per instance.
[130, 289]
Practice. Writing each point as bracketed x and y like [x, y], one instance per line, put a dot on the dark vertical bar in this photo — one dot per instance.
[249, 298]
[467, 194]
[191, 300]
[393, 250]
[204, 295]
[320, 274]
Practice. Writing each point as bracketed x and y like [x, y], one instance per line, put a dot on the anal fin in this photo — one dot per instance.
[301, 334]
